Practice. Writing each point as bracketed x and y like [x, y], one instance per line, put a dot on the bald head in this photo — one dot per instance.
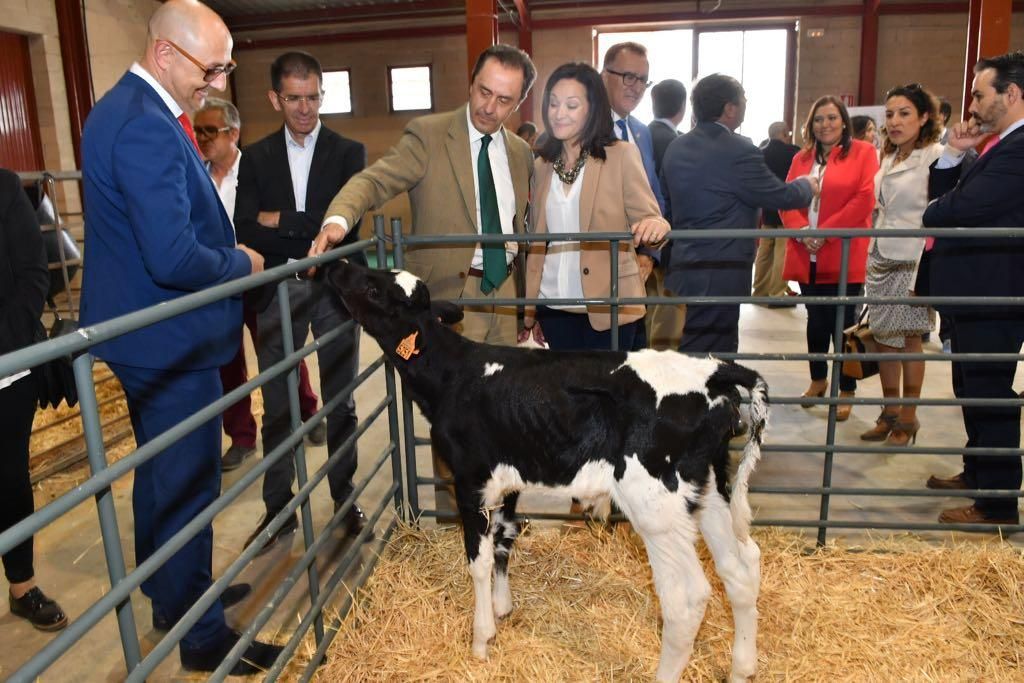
[185, 39]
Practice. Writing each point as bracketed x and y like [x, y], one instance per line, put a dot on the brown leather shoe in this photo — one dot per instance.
[972, 515]
[959, 482]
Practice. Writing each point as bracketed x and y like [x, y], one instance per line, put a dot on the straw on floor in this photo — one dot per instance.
[585, 610]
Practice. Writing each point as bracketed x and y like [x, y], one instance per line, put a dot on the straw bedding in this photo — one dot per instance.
[585, 610]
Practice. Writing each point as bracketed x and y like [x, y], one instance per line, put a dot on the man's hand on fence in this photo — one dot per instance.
[330, 235]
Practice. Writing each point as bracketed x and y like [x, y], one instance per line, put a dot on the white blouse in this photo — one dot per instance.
[562, 278]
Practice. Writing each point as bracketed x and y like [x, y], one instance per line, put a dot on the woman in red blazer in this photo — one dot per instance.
[846, 169]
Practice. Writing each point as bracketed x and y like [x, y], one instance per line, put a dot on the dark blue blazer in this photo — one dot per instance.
[643, 140]
[713, 178]
[155, 230]
[987, 194]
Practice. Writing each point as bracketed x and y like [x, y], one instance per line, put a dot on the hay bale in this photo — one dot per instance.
[585, 610]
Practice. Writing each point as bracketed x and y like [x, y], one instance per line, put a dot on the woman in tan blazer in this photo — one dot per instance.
[585, 180]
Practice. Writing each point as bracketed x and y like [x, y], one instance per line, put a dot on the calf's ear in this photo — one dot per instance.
[445, 311]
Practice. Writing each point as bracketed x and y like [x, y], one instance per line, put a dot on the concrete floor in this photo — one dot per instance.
[70, 562]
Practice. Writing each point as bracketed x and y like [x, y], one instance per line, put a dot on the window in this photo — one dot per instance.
[337, 92]
[409, 88]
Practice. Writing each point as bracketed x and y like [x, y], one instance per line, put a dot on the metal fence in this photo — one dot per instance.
[398, 501]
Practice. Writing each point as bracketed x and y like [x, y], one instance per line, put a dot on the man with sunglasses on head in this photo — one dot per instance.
[285, 183]
[156, 232]
[626, 74]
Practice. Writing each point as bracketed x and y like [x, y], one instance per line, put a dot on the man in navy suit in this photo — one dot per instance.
[625, 73]
[156, 231]
[714, 178]
[285, 183]
[989, 194]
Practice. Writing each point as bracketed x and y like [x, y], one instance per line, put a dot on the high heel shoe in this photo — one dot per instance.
[844, 410]
[903, 433]
[816, 390]
[885, 423]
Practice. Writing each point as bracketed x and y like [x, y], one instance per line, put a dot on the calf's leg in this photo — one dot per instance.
[504, 530]
[739, 566]
[480, 553]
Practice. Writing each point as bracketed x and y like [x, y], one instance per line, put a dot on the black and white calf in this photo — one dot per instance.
[648, 430]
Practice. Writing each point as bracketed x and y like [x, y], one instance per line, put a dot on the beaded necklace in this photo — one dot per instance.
[569, 177]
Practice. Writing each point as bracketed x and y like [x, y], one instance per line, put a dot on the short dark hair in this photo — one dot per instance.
[597, 130]
[811, 142]
[925, 103]
[860, 125]
[1009, 69]
[511, 57]
[712, 93]
[297, 64]
[613, 52]
[946, 110]
[526, 128]
[668, 98]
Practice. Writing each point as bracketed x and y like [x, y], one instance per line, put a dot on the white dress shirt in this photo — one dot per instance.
[506, 194]
[228, 187]
[300, 158]
[561, 278]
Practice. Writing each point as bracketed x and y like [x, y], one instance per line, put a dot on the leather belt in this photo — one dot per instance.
[477, 272]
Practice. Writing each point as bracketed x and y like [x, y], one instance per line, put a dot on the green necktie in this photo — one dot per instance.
[495, 269]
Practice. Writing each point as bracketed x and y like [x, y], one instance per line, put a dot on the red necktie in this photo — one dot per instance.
[992, 142]
[186, 123]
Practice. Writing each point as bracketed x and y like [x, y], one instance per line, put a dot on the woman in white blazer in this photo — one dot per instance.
[910, 146]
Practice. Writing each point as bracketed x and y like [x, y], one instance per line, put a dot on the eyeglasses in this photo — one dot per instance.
[312, 100]
[210, 131]
[629, 79]
[210, 73]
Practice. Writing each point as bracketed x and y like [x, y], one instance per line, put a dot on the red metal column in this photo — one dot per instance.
[988, 35]
[868, 52]
[526, 45]
[74, 55]
[481, 28]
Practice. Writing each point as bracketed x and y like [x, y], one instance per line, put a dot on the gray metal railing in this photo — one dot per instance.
[123, 581]
[830, 447]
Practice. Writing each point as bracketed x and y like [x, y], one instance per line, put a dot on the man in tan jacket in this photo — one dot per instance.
[442, 160]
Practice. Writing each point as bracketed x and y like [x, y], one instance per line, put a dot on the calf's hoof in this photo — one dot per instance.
[480, 649]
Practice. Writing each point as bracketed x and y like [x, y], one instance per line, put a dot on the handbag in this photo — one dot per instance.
[858, 339]
[55, 379]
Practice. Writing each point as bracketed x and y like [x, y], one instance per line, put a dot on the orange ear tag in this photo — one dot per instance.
[407, 347]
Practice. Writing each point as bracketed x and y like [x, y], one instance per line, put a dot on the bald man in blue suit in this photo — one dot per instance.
[155, 231]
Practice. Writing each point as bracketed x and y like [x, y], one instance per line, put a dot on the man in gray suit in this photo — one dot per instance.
[715, 179]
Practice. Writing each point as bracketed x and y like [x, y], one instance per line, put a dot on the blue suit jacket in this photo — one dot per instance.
[643, 140]
[987, 194]
[155, 230]
[713, 178]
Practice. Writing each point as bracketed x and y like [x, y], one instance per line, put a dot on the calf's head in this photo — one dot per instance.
[389, 304]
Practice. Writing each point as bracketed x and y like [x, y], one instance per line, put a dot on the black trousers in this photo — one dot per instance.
[313, 307]
[989, 426]
[821, 324]
[710, 328]
[17, 406]
[565, 331]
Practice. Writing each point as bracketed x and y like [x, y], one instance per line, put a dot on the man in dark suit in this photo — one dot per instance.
[771, 253]
[664, 322]
[989, 194]
[285, 183]
[668, 98]
[156, 231]
[712, 179]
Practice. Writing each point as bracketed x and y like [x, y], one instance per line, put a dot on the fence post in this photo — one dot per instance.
[408, 427]
[299, 454]
[391, 387]
[613, 291]
[93, 431]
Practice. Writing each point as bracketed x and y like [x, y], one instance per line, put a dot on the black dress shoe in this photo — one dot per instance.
[318, 435]
[256, 658]
[289, 528]
[42, 612]
[956, 482]
[231, 596]
[354, 521]
[233, 458]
